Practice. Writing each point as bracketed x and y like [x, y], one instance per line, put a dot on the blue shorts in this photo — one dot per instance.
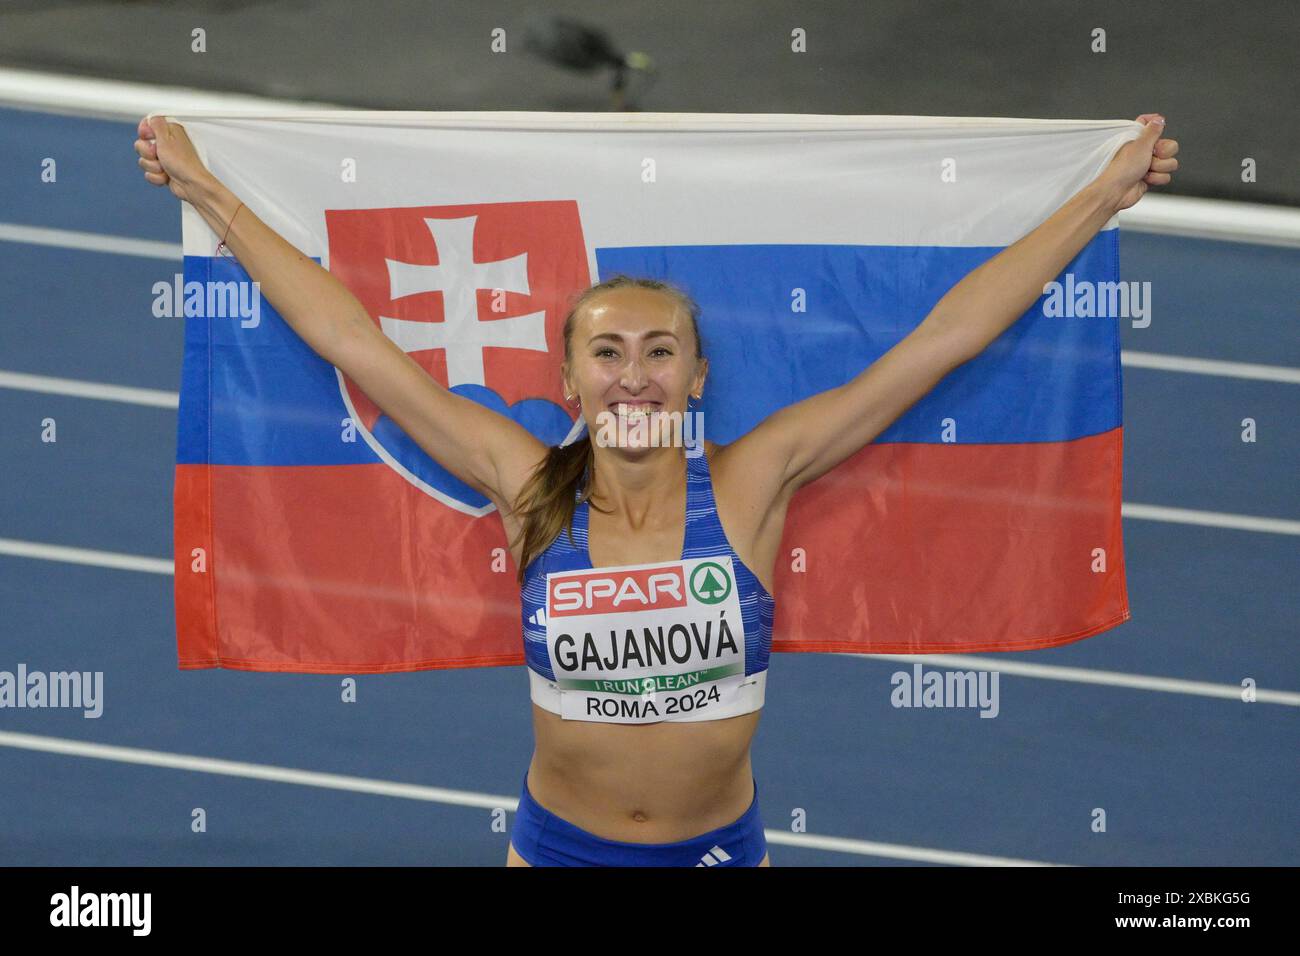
[543, 839]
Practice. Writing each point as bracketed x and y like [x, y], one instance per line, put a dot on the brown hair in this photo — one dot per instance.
[546, 501]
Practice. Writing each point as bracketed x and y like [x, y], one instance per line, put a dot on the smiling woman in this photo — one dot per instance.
[648, 677]
[546, 502]
[662, 660]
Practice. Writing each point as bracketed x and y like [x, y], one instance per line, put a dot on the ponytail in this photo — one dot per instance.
[549, 497]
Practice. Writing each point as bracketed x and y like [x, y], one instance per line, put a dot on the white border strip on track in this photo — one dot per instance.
[1221, 219]
[124, 100]
[118, 99]
[460, 798]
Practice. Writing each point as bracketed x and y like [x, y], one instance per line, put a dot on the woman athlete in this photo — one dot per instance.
[651, 783]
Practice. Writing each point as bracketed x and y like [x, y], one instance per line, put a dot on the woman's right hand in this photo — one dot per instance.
[169, 159]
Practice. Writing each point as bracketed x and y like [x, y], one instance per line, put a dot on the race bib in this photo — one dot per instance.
[645, 643]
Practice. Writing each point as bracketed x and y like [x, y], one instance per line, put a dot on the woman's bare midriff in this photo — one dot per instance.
[643, 783]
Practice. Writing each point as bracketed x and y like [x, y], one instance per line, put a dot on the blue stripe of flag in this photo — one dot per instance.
[1044, 379]
[270, 400]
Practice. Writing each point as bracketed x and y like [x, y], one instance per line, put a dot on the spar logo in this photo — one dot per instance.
[476, 295]
[710, 583]
[605, 591]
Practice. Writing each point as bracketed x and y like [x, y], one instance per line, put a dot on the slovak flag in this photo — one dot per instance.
[312, 535]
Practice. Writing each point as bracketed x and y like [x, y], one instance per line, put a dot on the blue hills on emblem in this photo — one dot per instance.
[544, 419]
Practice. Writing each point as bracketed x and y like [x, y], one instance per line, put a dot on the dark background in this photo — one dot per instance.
[1224, 74]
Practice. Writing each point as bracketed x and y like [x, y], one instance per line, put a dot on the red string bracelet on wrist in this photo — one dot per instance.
[222, 244]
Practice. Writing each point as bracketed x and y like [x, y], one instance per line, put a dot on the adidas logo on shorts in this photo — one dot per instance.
[714, 857]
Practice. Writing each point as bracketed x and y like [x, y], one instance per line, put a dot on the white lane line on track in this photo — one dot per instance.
[77, 388]
[1209, 519]
[462, 798]
[1083, 675]
[1216, 367]
[91, 242]
[128, 562]
[14, 548]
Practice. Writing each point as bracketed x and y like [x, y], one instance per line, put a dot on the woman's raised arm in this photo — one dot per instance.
[811, 437]
[489, 452]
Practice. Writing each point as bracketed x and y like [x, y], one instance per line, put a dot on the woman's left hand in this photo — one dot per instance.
[1146, 161]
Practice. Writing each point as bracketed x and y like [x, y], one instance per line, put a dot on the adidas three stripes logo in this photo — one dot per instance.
[714, 857]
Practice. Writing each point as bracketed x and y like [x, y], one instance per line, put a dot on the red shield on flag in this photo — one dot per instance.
[475, 294]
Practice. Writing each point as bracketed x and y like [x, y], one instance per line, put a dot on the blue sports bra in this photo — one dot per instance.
[684, 657]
